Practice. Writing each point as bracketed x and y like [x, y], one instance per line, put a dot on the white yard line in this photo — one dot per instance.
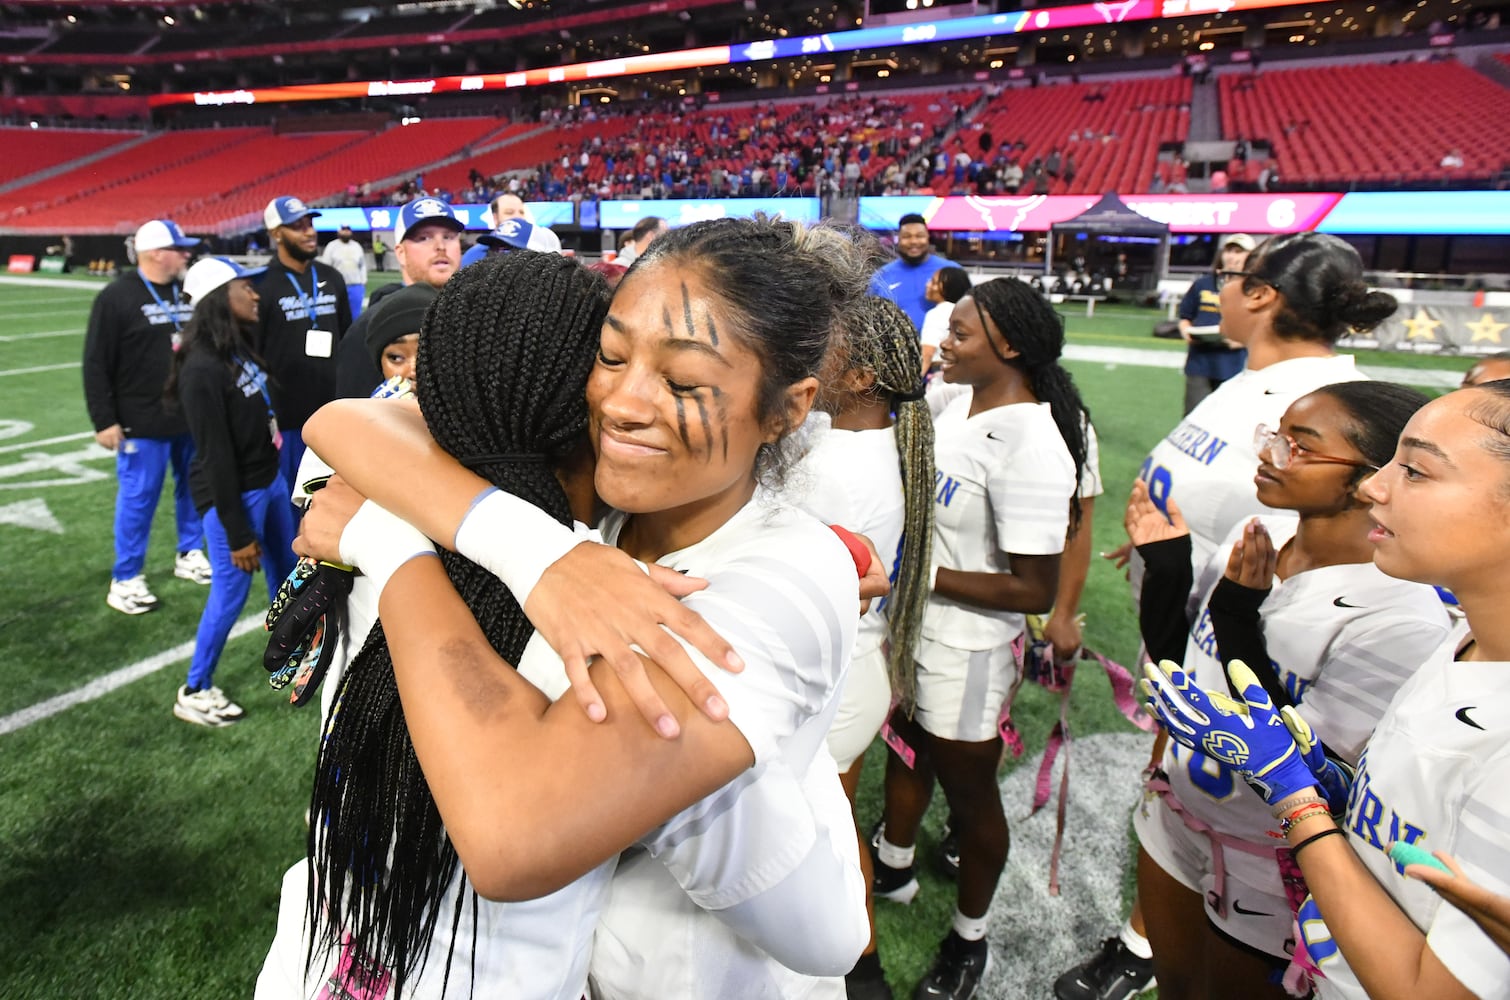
[70, 284]
[101, 686]
[1439, 378]
[12, 338]
[24, 445]
[42, 368]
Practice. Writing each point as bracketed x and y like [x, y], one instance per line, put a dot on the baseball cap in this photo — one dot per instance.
[286, 209]
[517, 234]
[1243, 240]
[398, 315]
[160, 233]
[425, 210]
[209, 273]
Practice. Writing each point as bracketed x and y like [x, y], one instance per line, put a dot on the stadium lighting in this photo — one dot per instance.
[168, 20]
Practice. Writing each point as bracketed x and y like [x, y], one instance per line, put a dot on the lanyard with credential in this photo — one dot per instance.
[170, 312]
[258, 378]
[310, 301]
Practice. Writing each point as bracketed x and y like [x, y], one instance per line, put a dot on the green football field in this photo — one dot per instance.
[140, 856]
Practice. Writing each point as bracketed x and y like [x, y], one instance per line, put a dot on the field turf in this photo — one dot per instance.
[139, 856]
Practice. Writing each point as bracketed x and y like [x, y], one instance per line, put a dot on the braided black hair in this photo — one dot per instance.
[880, 339]
[504, 354]
[1031, 326]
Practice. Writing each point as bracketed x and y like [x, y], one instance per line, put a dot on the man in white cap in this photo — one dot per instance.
[510, 206]
[134, 328]
[349, 257]
[305, 312]
[427, 244]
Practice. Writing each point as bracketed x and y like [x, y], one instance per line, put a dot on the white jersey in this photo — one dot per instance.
[936, 325]
[1206, 464]
[940, 394]
[782, 588]
[349, 258]
[1342, 640]
[773, 853]
[1436, 774]
[1003, 485]
[855, 481]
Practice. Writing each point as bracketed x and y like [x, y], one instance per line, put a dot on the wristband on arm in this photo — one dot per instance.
[512, 539]
[378, 543]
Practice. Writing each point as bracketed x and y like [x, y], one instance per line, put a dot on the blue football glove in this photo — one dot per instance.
[1248, 737]
[1334, 776]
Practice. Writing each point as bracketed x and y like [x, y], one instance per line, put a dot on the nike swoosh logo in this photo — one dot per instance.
[993, 436]
[893, 287]
[1270, 392]
[1462, 716]
[1338, 602]
[1247, 913]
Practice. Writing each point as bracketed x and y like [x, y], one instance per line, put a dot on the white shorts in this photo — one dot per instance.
[960, 692]
[1258, 914]
[863, 707]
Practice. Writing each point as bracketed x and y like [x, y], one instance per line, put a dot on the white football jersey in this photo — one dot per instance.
[1004, 482]
[855, 482]
[1342, 640]
[1436, 774]
[1206, 464]
[782, 590]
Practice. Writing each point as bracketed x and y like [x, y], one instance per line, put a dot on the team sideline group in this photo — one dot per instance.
[576, 534]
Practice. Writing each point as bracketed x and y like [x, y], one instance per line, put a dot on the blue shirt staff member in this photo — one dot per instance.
[905, 280]
[1211, 359]
[305, 312]
[134, 328]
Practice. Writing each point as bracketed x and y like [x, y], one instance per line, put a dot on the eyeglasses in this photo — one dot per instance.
[1284, 451]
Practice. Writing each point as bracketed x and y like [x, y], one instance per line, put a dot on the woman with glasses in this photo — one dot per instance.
[1288, 306]
[1300, 600]
[1434, 778]
[1211, 359]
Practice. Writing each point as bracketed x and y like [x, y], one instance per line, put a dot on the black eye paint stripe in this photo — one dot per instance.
[712, 330]
[687, 311]
[702, 412]
[681, 420]
[666, 319]
[723, 417]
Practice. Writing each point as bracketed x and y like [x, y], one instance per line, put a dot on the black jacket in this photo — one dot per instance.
[356, 374]
[233, 444]
[301, 383]
[128, 351]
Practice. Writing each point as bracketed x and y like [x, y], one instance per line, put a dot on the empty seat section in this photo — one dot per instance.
[1373, 123]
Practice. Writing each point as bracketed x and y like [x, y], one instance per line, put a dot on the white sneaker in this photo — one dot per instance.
[200, 708]
[193, 566]
[227, 708]
[131, 597]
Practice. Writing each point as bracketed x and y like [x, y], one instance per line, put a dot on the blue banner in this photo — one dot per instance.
[1439, 213]
[883, 213]
[681, 211]
[542, 213]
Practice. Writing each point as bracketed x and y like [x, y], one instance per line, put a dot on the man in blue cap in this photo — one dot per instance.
[427, 244]
[305, 312]
[509, 214]
[134, 328]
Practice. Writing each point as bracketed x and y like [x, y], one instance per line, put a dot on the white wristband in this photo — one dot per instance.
[513, 539]
[378, 543]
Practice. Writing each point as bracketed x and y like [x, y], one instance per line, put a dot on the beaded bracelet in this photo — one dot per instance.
[1302, 813]
[1279, 811]
[1295, 849]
